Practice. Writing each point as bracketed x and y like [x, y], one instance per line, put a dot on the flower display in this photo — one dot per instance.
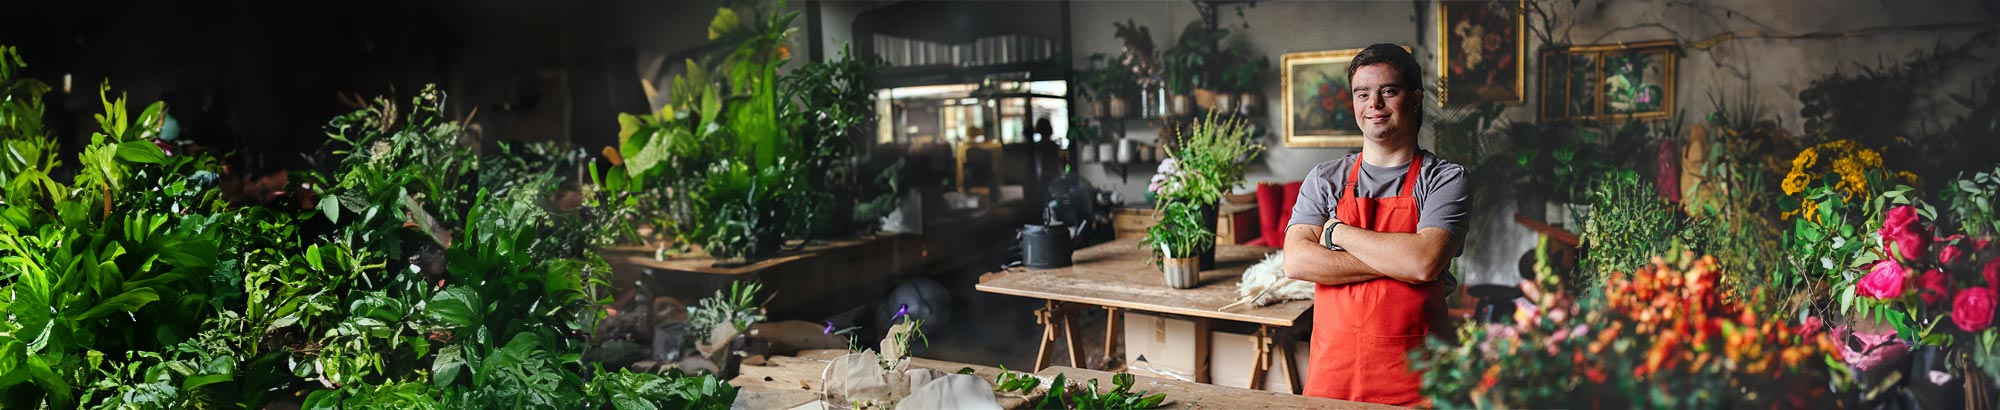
[1972, 310]
[1661, 336]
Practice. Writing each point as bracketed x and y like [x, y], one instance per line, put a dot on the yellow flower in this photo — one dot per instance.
[1853, 178]
[1910, 178]
[1869, 158]
[1795, 182]
[1811, 211]
[1805, 160]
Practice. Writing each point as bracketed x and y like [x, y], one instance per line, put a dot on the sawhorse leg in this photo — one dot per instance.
[1266, 337]
[1111, 333]
[1055, 317]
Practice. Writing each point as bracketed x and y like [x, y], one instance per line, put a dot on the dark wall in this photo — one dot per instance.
[260, 78]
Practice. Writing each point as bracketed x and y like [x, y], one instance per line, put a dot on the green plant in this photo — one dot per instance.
[1210, 160]
[738, 308]
[1243, 74]
[1628, 224]
[1063, 395]
[1177, 231]
[1194, 60]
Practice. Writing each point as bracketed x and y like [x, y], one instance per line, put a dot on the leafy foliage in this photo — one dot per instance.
[1063, 395]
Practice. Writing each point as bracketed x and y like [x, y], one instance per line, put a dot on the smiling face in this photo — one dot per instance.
[1383, 104]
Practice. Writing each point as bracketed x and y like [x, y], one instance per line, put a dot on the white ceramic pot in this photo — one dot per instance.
[1086, 153]
[1106, 152]
[1180, 105]
[1127, 151]
[1182, 273]
[1247, 103]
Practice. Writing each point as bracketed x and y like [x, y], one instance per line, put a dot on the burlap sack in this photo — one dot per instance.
[955, 391]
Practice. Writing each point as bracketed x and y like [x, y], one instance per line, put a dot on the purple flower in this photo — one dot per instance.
[829, 328]
[904, 311]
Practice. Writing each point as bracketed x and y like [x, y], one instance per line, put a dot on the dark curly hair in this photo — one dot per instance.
[1410, 72]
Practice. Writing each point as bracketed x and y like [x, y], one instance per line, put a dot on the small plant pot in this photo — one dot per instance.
[1097, 108]
[1086, 153]
[1182, 273]
[1246, 103]
[1107, 152]
[1127, 151]
[1205, 98]
[1117, 107]
[1180, 105]
[1225, 103]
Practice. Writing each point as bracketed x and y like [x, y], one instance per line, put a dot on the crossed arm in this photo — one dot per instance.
[1409, 257]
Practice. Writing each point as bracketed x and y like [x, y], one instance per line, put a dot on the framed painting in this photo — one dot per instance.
[1318, 111]
[1608, 82]
[1481, 52]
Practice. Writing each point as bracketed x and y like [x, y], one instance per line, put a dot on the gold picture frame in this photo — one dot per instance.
[1317, 113]
[1495, 33]
[1608, 82]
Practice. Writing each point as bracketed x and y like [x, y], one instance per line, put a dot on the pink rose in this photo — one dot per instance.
[1901, 231]
[1874, 350]
[1934, 286]
[1885, 281]
[1973, 309]
[1812, 326]
[1980, 244]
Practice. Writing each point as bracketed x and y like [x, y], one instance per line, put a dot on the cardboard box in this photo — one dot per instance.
[1166, 347]
[1234, 355]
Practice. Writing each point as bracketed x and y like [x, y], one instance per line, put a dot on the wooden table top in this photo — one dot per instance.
[785, 382]
[1190, 395]
[1115, 274]
[699, 262]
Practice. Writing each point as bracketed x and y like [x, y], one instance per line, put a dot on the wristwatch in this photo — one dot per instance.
[1326, 236]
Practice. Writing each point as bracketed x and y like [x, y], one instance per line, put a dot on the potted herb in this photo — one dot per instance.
[1207, 162]
[1242, 78]
[1180, 238]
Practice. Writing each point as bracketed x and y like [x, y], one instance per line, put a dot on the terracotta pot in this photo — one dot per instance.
[1182, 273]
[1225, 103]
[1117, 106]
[1179, 105]
[1097, 108]
[1204, 98]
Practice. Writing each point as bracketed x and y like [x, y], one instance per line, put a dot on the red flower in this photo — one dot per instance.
[1992, 272]
[1934, 286]
[1885, 281]
[1980, 244]
[1901, 231]
[1973, 309]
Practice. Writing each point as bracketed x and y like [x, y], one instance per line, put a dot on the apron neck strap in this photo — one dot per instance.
[1409, 181]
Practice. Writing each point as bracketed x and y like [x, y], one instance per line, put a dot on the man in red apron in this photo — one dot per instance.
[1376, 230]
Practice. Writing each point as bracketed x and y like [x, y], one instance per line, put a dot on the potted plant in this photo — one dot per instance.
[1180, 239]
[1243, 78]
[1208, 162]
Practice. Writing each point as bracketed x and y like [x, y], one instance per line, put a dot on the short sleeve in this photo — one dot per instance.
[1444, 205]
[1314, 194]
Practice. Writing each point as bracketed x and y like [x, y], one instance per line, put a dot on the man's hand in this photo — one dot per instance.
[1327, 231]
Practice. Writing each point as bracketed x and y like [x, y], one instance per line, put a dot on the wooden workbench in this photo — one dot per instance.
[785, 382]
[832, 274]
[1114, 275]
[1186, 395]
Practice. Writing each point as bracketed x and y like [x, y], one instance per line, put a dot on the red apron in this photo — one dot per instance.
[1363, 332]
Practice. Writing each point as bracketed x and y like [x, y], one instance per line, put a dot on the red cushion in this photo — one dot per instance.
[1270, 197]
[1274, 212]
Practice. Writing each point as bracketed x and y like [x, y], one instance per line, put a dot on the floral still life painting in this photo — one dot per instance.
[1481, 49]
[1319, 111]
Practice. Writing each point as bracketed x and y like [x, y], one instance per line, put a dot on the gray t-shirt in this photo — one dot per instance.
[1440, 195]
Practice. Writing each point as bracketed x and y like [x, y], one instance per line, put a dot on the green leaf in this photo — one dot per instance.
[725, 22]
[449, 364]
[141, 151]
[457, 305]
[195, 382]
[129, 301]
[330, 205]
